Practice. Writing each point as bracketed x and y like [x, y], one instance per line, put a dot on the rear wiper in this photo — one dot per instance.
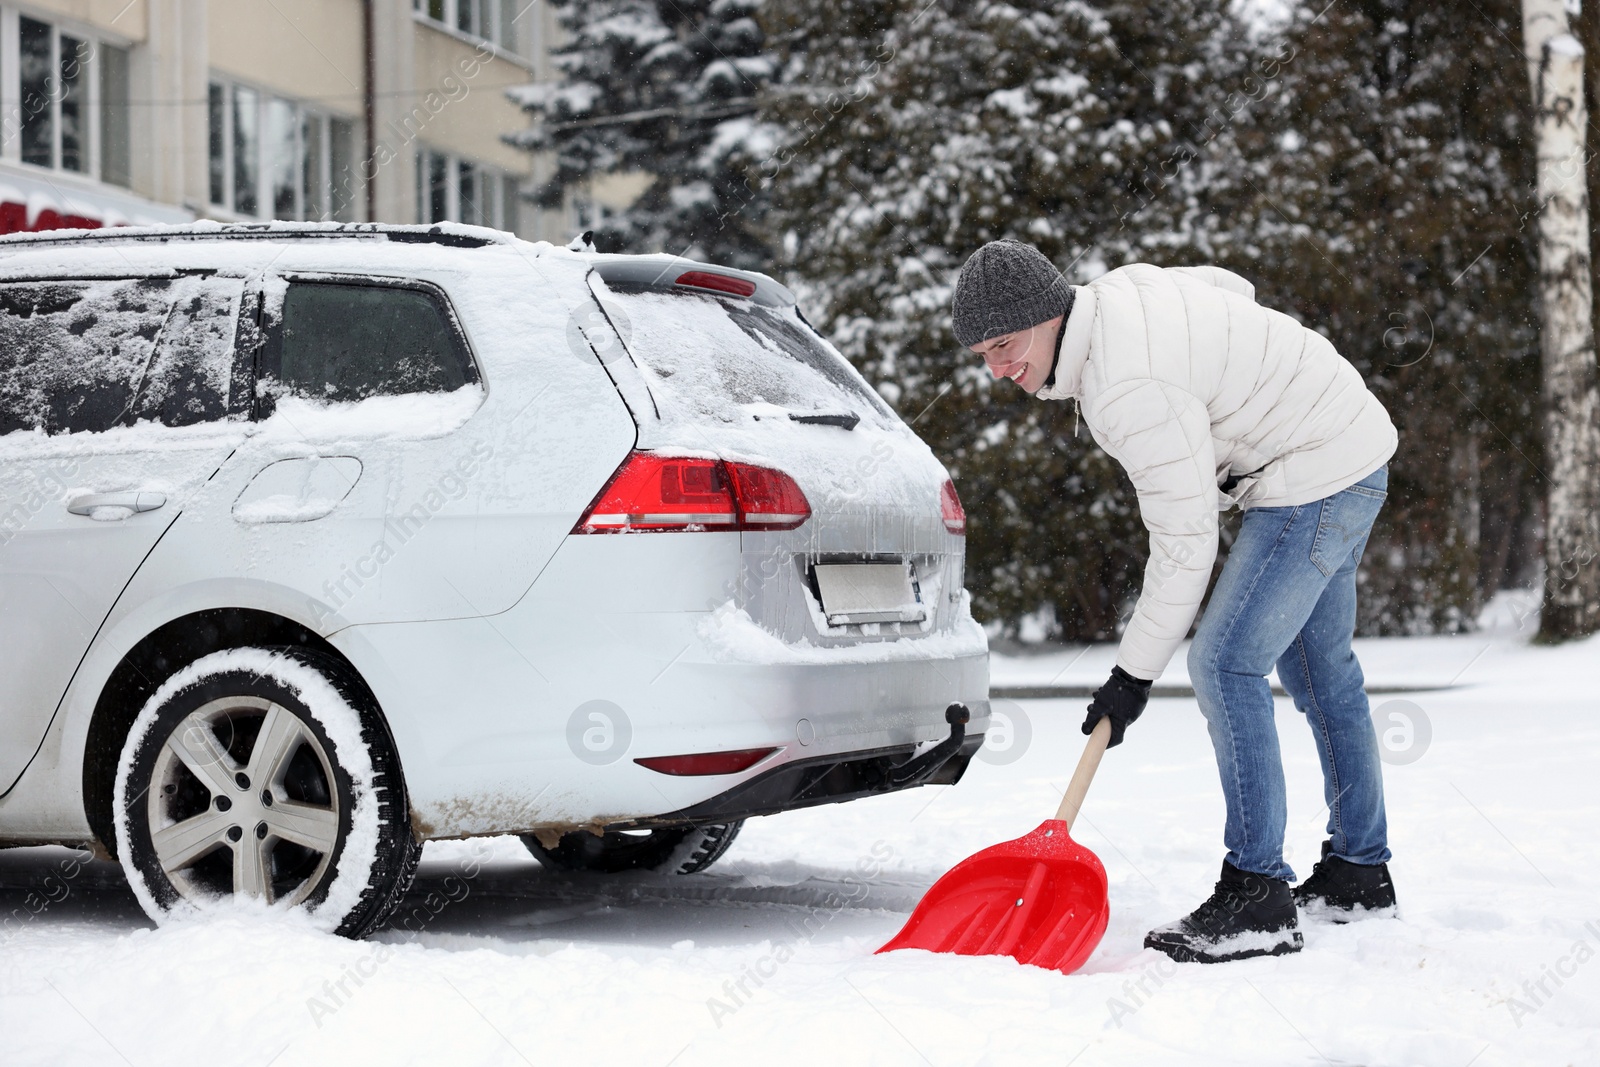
[844, 422]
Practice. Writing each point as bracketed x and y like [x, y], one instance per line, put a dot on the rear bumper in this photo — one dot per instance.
[807, 782]
[495, 719]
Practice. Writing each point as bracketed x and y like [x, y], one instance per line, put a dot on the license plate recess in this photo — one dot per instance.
[869, 592]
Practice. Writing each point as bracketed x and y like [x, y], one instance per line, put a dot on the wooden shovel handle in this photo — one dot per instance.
[1088, 763]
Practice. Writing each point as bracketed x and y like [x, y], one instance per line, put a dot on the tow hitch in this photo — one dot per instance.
[917, 768]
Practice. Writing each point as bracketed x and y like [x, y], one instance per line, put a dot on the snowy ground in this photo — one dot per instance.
[769, 957]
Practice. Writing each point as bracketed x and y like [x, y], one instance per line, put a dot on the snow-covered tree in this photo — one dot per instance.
[1365, 164]
[1395, 185]
[665, 89]
[911, 133]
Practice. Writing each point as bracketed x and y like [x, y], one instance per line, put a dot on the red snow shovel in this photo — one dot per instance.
[1040, 899]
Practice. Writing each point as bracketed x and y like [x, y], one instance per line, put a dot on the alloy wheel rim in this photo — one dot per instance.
[243, 801]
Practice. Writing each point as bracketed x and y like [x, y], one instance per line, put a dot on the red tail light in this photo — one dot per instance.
[955, 516]
[651, 492]
[767, 499]
[707, 762]
[722, 283]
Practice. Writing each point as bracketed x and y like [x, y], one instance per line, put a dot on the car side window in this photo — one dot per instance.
[190, 374]
[86, 355]
[347, 341]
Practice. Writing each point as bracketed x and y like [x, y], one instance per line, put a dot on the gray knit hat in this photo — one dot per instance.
[1007, 286]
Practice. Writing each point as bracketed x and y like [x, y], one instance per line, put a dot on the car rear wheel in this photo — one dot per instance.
[673, 849]
[265, 774]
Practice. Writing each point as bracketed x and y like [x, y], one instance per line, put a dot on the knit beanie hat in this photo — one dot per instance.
[1007, 286]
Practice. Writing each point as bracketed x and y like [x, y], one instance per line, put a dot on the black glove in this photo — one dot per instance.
[1121, 699]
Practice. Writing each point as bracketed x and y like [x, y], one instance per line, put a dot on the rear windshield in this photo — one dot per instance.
[728, 360]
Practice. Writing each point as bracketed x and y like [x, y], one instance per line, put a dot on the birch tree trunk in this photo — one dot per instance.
[1571, 605]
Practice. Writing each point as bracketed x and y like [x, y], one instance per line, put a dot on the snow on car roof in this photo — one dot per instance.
[654, 270]
[443, 233]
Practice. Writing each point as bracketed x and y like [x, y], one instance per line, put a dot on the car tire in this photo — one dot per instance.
[266, 773]
[672, 849]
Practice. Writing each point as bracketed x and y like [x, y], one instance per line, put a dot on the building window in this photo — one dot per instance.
[115, 141]
[477, 195]
[451, 189]
[246, 117]
[274, 158]
[216, 102]
[437, 201]
[74, 101]
[499, 22]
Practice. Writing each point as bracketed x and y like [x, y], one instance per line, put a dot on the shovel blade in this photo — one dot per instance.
[1040, 899]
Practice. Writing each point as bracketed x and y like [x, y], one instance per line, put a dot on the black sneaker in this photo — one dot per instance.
[1340, 891]
[1247, 915]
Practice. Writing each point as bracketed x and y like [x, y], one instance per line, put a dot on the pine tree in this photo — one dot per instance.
[910, 134]
[1366, 165]
[1395, 192]
[667, 89]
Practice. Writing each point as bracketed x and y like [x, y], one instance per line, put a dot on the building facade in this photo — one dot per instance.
[136, 111]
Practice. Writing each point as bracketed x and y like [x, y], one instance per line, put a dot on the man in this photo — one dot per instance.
[1209, 400]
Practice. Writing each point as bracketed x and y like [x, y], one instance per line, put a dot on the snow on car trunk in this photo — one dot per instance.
[748, 381]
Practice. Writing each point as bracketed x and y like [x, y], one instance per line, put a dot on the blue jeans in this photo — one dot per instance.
[1287, 597]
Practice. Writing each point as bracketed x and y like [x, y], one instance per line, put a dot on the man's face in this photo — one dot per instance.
[1023, 356]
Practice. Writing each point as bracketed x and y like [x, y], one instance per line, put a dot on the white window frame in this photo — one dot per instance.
[264, 166]
[89, 101]
[490, 175]
[519, 44]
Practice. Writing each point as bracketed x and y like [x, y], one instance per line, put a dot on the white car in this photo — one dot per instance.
[321, 541]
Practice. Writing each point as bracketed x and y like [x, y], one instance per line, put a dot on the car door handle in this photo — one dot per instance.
[85, 504]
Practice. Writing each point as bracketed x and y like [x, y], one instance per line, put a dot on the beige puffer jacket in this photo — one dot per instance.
[1185, 380]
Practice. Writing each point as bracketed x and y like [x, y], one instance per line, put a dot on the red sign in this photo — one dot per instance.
[14, 219]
